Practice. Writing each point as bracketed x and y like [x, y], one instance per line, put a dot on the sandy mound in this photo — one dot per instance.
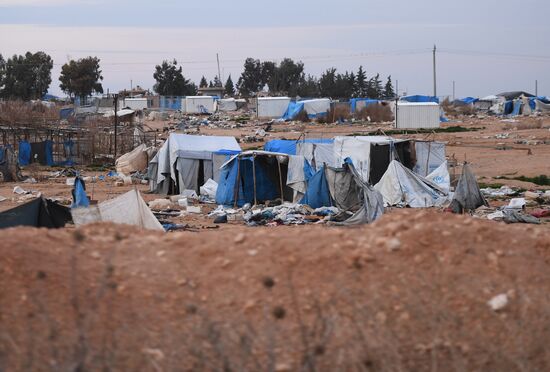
[409, 292]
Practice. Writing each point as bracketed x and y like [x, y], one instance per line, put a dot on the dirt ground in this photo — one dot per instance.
[409, 292]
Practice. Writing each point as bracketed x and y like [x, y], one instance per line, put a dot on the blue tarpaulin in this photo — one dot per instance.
[419, 98]
[508, 107]
[368, 101]
[289, 146]
[317, 192]
[240, 173]
[80, 199]
[24, 153]
[48, 149]
[64, 113]
[517, 107]
[293, 110]
[468, 100]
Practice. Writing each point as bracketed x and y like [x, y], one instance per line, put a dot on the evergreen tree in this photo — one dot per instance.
[388, 89]
[361, 83]
[171, 82]
[375, 90]
[250, 81]
[203, 83]
[229, 87]
[81, 78]
[217, 82]
[25, 77]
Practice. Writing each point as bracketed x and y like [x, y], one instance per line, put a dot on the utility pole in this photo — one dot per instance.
[397, 88]
[435, 75]
[454, 90]
[536, 88]
[219, 73]
[116, 123]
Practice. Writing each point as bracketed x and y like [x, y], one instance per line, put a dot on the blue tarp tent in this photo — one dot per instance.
[517, 104]
[293, 110]
[419, 98]
[353, 102]
[239, 173]
[64, 113]
[289, 146]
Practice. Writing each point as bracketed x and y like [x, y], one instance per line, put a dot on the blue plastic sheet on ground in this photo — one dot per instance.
[24, 153]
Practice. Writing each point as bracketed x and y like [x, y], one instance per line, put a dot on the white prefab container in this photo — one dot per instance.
[197, 105]
[271, 107]
[417, 115]
[135, 103]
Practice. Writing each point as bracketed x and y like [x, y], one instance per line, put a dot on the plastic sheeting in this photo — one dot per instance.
[227, 104]
[290, 146]
[24, 153]
[163, 168]
[39, 212]
[296, 178]
[317, 191]
[272, 107]
[420, 98]
[135, 160]
[401, 187]
[129, 209]
[441, 177]
[429, 156]
[318, 154]
[467, 196]
[80, 198]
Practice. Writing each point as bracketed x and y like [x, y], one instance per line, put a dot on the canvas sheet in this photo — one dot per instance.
[228, 104]
[429, 156]
[401, 187]
[129, 209]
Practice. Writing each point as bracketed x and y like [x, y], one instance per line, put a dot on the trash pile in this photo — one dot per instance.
[284, 214]
[525, 207]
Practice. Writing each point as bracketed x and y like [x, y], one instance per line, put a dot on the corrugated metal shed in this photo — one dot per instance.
[417, 115]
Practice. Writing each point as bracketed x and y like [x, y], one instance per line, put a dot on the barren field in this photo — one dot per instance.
[417, 290]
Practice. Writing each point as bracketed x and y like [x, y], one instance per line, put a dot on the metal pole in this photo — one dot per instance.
[454, 90]
[435, 75]
[397, 88]
[254, 177]
[536, 88]
[116, 123]
[219, 73]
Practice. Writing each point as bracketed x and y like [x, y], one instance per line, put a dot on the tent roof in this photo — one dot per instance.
[273, 98]
[186, 142]
[405, 103]
[245, 154]
[377, 140]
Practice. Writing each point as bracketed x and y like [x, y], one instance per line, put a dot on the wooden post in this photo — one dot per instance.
[280, 180]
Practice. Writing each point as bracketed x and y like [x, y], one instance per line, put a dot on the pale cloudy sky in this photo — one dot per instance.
[486, 46]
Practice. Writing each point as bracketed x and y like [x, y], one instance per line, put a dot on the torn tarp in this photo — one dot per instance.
[39, 212]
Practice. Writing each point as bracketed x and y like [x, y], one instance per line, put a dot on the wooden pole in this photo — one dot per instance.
[236, 193]
[280, 180]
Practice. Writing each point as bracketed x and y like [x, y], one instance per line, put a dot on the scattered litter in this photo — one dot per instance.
[516, 203]
[513, 216]
[193, 209]
[70, 181]
[160, 204]
[30, 180]
[2, 198]
[183, 202]
[540, 213]
[498, 302]
[19, 190]
[209, 189]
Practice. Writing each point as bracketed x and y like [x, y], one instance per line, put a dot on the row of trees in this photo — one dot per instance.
[29, 77]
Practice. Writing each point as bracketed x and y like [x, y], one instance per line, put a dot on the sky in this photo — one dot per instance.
[484, 46]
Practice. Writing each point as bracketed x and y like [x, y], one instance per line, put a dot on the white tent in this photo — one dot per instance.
[135, 160]
[429, 156]
[129, 209]
[316, 107]
[197, 105]
[227, 104]
[399, 186]
[271, 107]
[183, 159]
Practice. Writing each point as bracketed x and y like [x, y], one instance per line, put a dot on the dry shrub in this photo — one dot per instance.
[451, 109]
[302, 117]
[14, 113]
[524, 126]
[375, 113]
[339, 113]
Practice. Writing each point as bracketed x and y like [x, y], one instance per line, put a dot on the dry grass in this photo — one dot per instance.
[524, 126]
[17, 113]
[457, 110]
[339, 113]
[375, 113]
